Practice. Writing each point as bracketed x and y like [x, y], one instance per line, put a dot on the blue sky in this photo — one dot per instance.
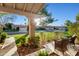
[63, 11]
[21, 20]
[60, 11]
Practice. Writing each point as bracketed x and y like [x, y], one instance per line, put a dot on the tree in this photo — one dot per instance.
[44, 11]
[8, 26]
[77, 17]
[7, 18]
[48, 15]
[73, 27]
[0, 31]
[17, 28]
[77, 26]
[68, 23]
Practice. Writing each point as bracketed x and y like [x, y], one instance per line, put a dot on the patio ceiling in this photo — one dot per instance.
[21, 8]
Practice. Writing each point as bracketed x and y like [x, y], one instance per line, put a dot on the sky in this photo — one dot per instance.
[60, 11]
[21, 20]
[63, 11]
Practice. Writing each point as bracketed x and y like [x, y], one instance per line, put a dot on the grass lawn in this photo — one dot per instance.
[45, 35]
[16, 35]
[48, 34]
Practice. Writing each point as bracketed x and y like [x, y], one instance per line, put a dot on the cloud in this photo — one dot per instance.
[37, 22]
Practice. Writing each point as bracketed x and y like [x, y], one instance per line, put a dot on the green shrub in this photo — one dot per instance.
[3, 36]
[43, 53]
[17, 41]
[67, 34]
[34, 42]
[21, 39]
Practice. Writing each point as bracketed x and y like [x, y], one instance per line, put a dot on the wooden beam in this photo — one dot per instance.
[10, 10]
[32, 8]
[41, 7]
[14, 5]
[24, 7]
[2, 4]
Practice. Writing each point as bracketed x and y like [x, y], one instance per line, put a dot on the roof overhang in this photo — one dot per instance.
[22, 8]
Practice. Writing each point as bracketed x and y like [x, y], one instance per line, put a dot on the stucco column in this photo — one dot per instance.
[31, 26]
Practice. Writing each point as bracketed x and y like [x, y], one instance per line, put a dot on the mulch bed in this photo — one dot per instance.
[23, 50]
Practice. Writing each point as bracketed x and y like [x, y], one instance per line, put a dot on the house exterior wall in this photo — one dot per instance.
[22, 29]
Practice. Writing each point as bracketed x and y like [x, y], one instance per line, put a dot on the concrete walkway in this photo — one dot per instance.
[8, 48]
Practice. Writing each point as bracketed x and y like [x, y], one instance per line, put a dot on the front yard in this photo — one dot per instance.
[41, 38]
[22, 40]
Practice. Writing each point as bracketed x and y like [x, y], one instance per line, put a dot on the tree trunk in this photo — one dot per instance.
[31, 26]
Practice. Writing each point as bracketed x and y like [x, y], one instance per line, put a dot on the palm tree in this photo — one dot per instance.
[48, 15]
[47, 20]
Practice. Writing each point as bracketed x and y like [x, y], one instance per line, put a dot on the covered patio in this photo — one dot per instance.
[30, 10]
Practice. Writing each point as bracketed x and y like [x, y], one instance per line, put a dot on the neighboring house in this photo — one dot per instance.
[54, 28]
[22, 28]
